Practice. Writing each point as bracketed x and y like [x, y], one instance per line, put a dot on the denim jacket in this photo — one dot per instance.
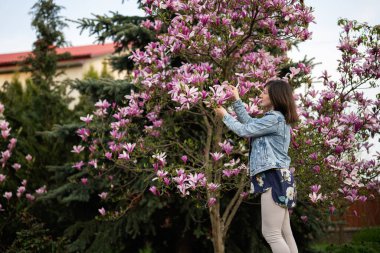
[269, 137]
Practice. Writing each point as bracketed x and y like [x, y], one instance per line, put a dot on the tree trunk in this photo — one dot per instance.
[217, 223]
[217, 226]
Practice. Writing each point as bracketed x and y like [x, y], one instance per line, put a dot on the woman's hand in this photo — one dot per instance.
[235, 92]
[220, 111]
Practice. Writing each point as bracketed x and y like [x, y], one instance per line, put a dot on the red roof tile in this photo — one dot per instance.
[81, 52]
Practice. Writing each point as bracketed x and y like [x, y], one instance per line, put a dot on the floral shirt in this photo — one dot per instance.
[281, 181]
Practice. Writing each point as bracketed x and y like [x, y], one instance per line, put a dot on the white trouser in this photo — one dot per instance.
[276, 225]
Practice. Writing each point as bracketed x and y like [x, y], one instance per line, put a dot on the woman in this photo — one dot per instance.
[269, 160]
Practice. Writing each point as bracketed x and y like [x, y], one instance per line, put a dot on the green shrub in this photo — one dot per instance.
[364, 247]
[367, 235]
[364, 241]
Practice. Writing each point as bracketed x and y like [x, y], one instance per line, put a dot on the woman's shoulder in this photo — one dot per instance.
[275, 115]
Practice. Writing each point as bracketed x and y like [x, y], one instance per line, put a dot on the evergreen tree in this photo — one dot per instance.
[42, 63]
[31, 109]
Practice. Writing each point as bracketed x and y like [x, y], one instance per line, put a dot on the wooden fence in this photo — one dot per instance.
[363, 214]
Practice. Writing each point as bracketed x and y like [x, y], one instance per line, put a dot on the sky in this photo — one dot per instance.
[17, 34]
[326, 31]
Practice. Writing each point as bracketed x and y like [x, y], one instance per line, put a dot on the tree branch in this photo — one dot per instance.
[233, 206]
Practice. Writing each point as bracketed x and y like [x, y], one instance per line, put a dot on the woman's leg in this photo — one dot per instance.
[272, 221]
[288, 235]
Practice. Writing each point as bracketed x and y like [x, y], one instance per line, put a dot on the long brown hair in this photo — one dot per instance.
[281, 96]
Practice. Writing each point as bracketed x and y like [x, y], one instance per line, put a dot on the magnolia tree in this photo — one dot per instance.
[14, 188]
[337, 123]
[167, 132]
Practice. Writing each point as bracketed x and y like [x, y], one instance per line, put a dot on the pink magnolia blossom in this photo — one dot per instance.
[93, 148]
[161, 173]
[331, 209]
[84, 133]
[313, 156]
[93, 163]
[180, 171]
[147, 24]
[166, 181]
[16, 166]
[212, 186]
[315, 188]
[5, 133]
[7, 195]
[116, 134]
[4, 125]
[226, 146]
[108, 155]
[316, 168]
[124, 156]
[220, 93]
[78, 165]
[20, 191]
[157, 25]
[232, 163]
[184, 94]
[114, 147]
[156, 166]
[244, 195]
[231, 172]
[5, 155]
[183, 189]
[161, 157]
[102, 104]
[87, 119]
[351, 198]
[77, 149]
[41, 190]
[30, 197]
[211, 201]
[129, 147]
[2, 178]
[304, 68]
[293, 72]
[195, 179]
[216, 156]
[227, 173]
[184, 158]
[102, 211]
[84, 180]
[314, 197]
[180, 179]
[12, 143]
[103, 195]
[154, 190]
[28, 157]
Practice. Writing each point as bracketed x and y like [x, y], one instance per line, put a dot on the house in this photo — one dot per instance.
[83, 59]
